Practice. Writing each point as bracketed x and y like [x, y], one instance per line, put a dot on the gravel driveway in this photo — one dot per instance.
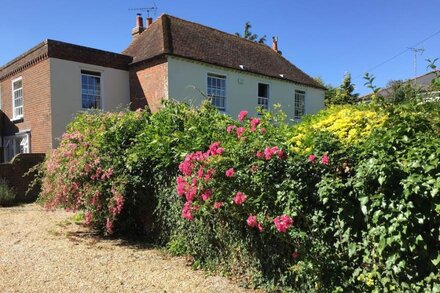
[47, 252]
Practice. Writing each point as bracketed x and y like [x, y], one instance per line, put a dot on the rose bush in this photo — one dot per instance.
[354, 206]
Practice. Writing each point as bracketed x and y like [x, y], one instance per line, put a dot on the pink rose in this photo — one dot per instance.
[230, 172]
[267, 154]
[218, 204]
[88, 217]
[312, 158]
[208, 175]
[240, 131]
[283, 223]
[325, 160]
[239, 198]
[200, 172]
[254, 124]
[252, 221]
[207, 194]
[186, 211]
[219, 151]
[230, 128]
[242, 115]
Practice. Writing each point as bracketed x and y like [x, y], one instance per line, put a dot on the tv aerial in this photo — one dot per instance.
[416, 51]
[152, 9]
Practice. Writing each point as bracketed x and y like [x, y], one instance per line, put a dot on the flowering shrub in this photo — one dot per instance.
[335, 212]
[324, 212]
[248, 190]
[109, 164]
[348, 124]
[85, 173]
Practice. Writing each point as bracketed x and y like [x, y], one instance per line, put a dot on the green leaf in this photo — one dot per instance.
[351, 249]
[437, 260]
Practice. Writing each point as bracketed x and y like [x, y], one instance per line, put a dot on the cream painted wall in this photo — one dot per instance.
[187, 78]
[65, 79]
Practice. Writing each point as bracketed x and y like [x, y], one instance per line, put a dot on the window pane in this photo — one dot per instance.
[263, 90]
[299, 104]
[216, 89]
[17, 84]
[91, 89]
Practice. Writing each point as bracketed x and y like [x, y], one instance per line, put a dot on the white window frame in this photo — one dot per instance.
[96, 73]
[220, 77]
[264, 106]
[299, 104]
[15, 108]
[10, 141]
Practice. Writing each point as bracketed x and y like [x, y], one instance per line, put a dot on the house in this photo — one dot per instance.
[423, 85]
[42, 89]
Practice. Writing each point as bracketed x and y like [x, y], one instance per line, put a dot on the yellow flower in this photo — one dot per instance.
[349, 124]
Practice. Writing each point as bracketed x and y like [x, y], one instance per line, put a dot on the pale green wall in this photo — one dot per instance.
[65, 80]
[186, 78]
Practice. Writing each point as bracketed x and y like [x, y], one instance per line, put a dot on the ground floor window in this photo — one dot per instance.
[263, 95]
[300, 104]
[16, 144]
[217, 90]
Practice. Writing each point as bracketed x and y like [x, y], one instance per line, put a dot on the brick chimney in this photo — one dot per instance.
[139, 28]
[275, 44]
[149, 21]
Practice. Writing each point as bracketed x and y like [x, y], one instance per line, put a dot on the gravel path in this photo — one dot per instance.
[47, 252]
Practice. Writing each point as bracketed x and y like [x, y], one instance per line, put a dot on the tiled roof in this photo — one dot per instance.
[170, 35]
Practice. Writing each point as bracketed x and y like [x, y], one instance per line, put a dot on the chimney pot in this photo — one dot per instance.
[275, 44]
[149, 21]
[139, 20]
[139, 28]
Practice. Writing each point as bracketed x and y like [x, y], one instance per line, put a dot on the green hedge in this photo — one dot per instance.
[324, 205]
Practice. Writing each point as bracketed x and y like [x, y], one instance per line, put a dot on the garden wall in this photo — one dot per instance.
[14, 171]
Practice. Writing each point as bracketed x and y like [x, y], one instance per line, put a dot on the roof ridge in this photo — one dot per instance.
[166, 34]
[220, 31]
[265, 46]
[171, 35]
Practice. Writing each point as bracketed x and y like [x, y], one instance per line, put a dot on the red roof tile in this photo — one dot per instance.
[170, 35]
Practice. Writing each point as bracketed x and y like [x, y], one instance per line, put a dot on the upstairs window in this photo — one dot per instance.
[91, 90]
[217, 91]
[17, 98]
[299, 104]
[263, 95]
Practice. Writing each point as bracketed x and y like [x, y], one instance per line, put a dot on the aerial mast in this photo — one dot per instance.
[415, 51]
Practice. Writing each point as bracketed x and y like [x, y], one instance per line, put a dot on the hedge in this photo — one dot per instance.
[347, 200]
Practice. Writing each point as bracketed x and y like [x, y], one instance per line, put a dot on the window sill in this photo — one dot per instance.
[17, 119]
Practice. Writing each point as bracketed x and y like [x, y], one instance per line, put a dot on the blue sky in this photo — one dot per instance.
[324, 38]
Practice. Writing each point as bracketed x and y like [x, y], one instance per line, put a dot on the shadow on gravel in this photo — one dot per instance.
[91, 237]
[136, 242]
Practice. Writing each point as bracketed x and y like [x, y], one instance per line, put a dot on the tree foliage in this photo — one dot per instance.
[342, 95]
[248, 35]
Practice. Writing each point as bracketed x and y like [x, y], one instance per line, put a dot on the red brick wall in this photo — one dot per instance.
[148, 86]
[13, 174]
[36, 106]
